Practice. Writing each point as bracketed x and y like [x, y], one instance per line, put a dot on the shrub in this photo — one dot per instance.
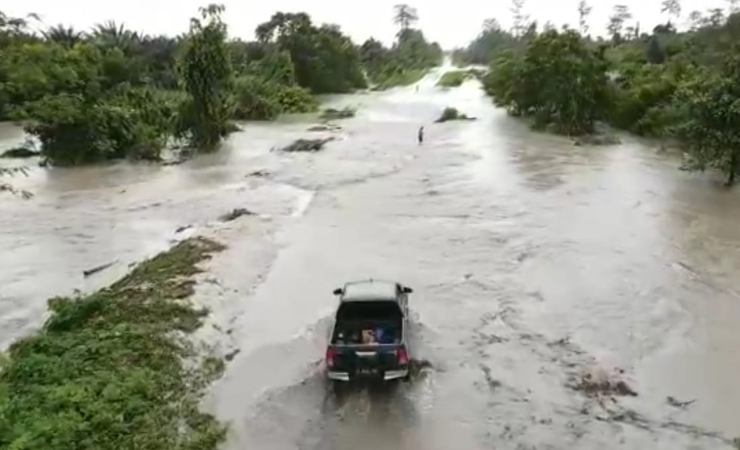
[74, 130]
[453, 78]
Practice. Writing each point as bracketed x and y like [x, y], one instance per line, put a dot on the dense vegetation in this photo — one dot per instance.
[454, 78]
[669, 84]
[407, 60]
[106, 371]
[112, 93]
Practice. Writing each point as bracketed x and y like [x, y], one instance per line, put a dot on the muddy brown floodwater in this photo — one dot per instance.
[541, 272]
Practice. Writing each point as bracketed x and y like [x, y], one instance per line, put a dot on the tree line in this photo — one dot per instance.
[114, 93]
[681, 85]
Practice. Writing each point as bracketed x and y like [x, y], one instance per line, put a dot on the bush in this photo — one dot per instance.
[643, 98]
[559, 81]
[74, 130]
[452, 114]
[260, 99]
[256, 99]
[453, 78]
[398, 77]
[295, 99]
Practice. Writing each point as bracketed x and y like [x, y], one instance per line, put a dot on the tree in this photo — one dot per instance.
[405, 16]
[207, 76]
[66, 36]
[325, 60]
[620, 14]
[112, 34]
[696, 19]
[584, 10]
[654, 53]
[711, 132]
[559, 80]
[672, 7]
[491, 25]
[732, 6]
[716, 17]
[520, 18]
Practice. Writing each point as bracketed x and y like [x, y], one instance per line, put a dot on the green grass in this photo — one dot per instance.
[106, 371]
[403, 78]
[455, 78]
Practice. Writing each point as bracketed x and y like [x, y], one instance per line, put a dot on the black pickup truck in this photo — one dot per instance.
[368, 339]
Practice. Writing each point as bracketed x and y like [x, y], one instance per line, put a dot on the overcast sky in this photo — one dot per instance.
[451, 22]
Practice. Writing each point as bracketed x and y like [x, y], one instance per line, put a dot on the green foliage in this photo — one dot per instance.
[295, 99]
[454, 78]
[398, 77]
[76, 130]
[711, 130]
[491, 41]
[655, 54]
[269, 88]
[66, 36]
[405, 63]
[557, 81]
[256, 99]
[324, 59]
[107, 370]
[643, 98]
[207, 76]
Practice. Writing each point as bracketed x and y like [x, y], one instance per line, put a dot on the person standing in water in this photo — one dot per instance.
[421, 135]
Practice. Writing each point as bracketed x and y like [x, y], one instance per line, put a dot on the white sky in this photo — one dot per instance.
[452, 23]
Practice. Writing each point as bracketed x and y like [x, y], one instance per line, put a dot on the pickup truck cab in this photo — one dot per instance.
[368, 339]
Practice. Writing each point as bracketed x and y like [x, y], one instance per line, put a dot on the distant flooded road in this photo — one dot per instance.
[538, 267]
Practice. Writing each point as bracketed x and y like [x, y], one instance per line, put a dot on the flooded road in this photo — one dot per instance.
[536, 264]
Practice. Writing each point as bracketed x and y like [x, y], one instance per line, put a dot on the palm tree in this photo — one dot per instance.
[66, 36]
[115, 35]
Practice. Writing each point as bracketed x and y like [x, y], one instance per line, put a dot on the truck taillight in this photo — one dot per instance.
[403, 356]
[330, 354]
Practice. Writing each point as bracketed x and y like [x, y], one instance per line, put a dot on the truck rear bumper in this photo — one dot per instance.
[387, 376]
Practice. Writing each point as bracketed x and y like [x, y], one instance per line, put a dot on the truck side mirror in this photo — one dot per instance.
[407, 290]
[338, 291]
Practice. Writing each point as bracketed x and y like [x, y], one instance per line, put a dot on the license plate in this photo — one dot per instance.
[366, 372]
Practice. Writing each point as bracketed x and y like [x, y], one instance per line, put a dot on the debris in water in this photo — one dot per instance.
[235, 214]
[597, 385]
[325, 127]
[175, 162]
[333, 113]
[596, 139]
[231, 355]
[183, 228]
[492, 382]
[679, 404]
[259, 173]
[452, 114]
[94, 270]
[307, 145]
[20, 152]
